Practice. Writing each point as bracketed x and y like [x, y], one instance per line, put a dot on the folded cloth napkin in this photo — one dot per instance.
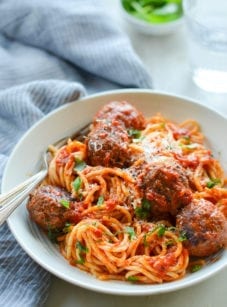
[51, 52]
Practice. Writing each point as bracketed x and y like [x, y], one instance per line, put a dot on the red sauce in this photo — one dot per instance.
[111, 204]
[162, 265]
[97, 232]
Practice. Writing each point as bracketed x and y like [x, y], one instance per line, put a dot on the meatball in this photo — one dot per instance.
[204, 226]
[165, 184]
[122, 112]
[45, 207]
[107, 145]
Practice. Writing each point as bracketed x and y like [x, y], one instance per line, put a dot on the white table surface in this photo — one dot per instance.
[166, 59]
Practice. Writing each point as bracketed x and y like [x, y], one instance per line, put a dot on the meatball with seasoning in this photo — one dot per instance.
[165, 184]
[107, 145]
[47, 207]
[113, 126]
[123, 112]
[204, 226]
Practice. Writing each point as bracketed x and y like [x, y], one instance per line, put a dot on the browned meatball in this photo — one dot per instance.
[123, 112]
[107, 145]
[46, 207]
[204, 226]
[165, 184]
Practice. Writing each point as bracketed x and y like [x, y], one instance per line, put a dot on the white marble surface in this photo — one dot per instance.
[166, 59]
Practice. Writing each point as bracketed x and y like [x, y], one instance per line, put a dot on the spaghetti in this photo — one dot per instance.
[126, 217]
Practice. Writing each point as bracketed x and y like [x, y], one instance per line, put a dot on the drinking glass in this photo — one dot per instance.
[206, 30]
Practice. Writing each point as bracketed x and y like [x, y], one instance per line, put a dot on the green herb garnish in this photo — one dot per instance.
[77, 184]
[81, 247]
[196, 268]
[161, 230]
[65, 203]
[140, 139]
[190, 146]
[80, 261]
[169, 242]
[100, 200]
[213, 181]
[183, 236]
[134, 133]
[172, 228]
[144, 211]
[66, 228]
[130, 231]
[145, 243]
[80, 165]
[187, 139]
[53, 234]
[82, 250]
[132, 278]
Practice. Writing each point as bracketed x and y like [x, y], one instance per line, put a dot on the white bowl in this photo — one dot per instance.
[64, 121]
[150, 28]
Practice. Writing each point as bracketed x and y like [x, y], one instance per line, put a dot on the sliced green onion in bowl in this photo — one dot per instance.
[154, 11]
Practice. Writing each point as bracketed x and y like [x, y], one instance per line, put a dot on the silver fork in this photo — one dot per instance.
[10, 200]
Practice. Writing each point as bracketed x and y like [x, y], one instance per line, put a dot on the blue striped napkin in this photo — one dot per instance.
[51, 52]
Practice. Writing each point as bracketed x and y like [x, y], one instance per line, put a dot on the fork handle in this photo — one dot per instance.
[10, 200]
